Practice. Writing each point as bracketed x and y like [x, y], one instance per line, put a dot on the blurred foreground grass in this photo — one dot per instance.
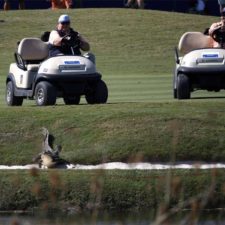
[112, 190]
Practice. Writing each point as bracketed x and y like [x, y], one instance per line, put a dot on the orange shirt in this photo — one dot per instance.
[61, 4]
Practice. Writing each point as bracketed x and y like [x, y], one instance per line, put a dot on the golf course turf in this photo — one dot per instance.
[141, 122]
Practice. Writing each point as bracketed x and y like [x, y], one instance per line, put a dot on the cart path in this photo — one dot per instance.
[125, 166]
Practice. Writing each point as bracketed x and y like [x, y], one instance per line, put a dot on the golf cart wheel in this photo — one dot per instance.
[72, 100]
[175, 93]
[183, 87]
[45, 94]
[11, 99]
[174, 85]
[99, 93]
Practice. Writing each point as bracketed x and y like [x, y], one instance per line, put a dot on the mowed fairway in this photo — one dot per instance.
[135, 53]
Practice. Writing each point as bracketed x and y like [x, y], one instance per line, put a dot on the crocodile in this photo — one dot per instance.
[49, 156]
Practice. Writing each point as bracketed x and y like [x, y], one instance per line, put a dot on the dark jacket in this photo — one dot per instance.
[68, 47]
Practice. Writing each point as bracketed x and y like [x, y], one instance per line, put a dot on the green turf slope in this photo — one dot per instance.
[134, 51]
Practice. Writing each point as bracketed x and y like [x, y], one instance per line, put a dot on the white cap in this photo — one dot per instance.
[64, 18]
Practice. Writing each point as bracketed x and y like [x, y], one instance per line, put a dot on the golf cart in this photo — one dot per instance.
[35, 76]
[201, 67]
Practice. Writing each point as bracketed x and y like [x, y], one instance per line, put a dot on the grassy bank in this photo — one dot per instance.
[155, 132]
[118, 190]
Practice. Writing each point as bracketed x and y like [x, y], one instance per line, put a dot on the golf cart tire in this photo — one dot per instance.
[99, 93]
[183, 87]
[45, 94]
[175, 93]
[11, 99]
[72, 100]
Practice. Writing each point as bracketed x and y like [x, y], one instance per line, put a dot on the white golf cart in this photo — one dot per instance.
[35, 76]
[201, 66]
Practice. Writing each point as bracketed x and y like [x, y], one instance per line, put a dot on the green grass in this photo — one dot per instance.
[117, 132]
[141, 122]
[112, 190]
[134, 51]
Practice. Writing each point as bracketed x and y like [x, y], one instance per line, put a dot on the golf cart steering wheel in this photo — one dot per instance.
[71, 40]
[219, 35]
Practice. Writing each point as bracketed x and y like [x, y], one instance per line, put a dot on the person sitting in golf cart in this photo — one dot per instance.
[66, 41]
[217, 30]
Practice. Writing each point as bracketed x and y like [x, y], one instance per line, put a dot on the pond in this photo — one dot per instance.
[206, 218]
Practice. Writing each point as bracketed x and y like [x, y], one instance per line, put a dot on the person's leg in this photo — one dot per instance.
[54, 52]
[221, 2]
[21, 4]
[6, 5]
[68, 4]
[58, 4]
[222, 7]
[140, 4]
[222, 13]
[129, 3]
[53, 3]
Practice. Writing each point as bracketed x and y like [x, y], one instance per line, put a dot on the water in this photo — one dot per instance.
[207, 218]
[75, 219]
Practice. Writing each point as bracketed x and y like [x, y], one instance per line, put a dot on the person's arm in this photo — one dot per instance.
[214, 27]
[55, 39]
[84, 45]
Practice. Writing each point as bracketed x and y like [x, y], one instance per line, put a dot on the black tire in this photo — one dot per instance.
[45, 94]
[174, 86]
[183, 87]
[10, 98]
[72, 100]
[175, 93]
[98, 94]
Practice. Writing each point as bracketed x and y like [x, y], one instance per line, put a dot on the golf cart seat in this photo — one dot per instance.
[194, 40]
[31, 52]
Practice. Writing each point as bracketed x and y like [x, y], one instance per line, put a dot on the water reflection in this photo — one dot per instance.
[76, 219]
[207, 218]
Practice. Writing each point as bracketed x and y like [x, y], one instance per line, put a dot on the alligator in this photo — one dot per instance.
[49, 156]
